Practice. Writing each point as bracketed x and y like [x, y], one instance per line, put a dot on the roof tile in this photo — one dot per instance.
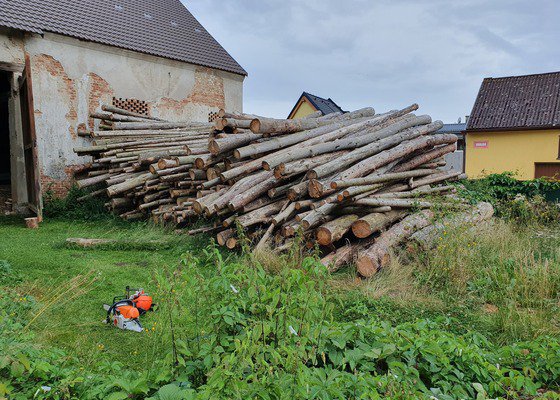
[169, 31]
[515, 102]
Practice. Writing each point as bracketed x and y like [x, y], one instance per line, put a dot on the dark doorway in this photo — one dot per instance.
[5, 175]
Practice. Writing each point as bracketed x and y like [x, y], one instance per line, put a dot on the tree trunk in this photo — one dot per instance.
[260, 215]
[378, 254]
[427, 237]
[344, 255]
[218, 146]
[269, 126]
[370, 135]
[426, 157]
[376, 161]
[375, 222]
[121, 111]
[334, 230]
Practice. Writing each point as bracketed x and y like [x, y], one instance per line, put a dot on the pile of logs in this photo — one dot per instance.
[355, 184]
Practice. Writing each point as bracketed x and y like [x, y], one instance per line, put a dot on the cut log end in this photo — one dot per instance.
[367, 266]
[213, 147]
[255, 126]
[315, 189]
[324, 236]
[361, 229]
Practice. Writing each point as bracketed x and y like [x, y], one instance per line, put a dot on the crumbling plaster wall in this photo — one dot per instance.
[72, 78]
[11, 47]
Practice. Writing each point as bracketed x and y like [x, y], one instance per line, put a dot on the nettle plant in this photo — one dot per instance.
[246, 333]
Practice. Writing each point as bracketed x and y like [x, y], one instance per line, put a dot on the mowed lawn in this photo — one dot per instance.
[71, 284]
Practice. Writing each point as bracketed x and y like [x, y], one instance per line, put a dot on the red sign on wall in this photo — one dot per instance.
[481, 145]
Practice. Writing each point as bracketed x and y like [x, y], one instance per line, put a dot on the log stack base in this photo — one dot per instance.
[356, 184]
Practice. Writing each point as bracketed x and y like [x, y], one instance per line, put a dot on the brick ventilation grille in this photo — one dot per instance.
[134, 105]
[212, 116]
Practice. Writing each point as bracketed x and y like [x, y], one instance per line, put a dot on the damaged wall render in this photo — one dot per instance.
[72, 78]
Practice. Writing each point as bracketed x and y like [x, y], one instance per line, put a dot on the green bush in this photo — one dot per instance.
[70, 208]
[520, 201]
[243, 333]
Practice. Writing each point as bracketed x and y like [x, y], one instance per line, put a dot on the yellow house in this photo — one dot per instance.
[309, 103]
[515, 126]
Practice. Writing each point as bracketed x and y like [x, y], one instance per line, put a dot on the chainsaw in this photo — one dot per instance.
[125, 311]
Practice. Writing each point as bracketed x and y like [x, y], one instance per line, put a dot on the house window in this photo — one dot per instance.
[133, 105]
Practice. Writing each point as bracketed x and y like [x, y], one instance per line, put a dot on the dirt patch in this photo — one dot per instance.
[490, 308]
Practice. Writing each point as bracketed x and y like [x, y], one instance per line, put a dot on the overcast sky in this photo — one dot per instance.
[381, 53]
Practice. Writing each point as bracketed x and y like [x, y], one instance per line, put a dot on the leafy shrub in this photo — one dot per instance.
[250, 333]
[521, 201]
[504, 186]
[70, 208]
[7, 274]
[244, 333]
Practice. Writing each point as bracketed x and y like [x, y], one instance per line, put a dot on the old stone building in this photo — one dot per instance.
[61, 59]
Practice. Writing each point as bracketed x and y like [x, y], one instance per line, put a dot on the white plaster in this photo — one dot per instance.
[129, 74]
[11, 48]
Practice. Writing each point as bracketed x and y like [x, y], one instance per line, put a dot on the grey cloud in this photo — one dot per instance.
[382, 53]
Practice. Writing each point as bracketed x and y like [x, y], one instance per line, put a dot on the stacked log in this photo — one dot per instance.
[355, 184]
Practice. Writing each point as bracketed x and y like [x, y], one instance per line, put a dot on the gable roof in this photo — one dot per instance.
[326, 106]
[453, 128]
[163, 28]
[517, 102]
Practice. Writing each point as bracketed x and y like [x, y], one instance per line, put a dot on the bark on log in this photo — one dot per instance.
[378, 254]
[426, 157]
[375, 222]
[261, 215]
[223, 236]
[405, 130]
[372, 163]
[271, 126]
[129, 184]
[380, 178]
[121, 111]
[334, 230]
[344, 255]
[397, 203]
[159, 125]
[218, 146]
[427, 236]
[370, 135]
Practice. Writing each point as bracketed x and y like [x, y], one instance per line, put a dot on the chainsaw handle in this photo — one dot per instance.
[124, 302]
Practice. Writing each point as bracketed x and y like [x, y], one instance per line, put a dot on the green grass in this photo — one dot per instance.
[81, 280]
[501, 281]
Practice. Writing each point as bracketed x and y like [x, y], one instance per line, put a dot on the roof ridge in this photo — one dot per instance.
[522, 76]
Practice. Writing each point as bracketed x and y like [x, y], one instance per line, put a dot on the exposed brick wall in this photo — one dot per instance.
[59, 188]
[100, 92]
[66, 88]
[208, 90]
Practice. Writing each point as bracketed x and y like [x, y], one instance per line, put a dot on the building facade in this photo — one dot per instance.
[309, 103]
[515, 127]
[158, 59]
